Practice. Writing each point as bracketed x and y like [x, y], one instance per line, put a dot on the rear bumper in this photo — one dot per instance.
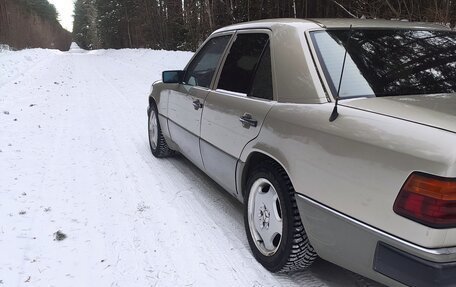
[412, 270]
[374, 253]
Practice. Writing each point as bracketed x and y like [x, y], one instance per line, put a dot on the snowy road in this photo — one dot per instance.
[74, 157]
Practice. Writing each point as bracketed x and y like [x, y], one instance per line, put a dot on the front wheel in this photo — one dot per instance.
[157, 142]
[272, 221]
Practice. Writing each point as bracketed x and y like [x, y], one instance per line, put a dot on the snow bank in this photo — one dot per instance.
[14, 64]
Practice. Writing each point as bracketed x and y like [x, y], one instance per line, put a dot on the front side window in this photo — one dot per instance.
[242, 61]
[202, 68]
[388, 62]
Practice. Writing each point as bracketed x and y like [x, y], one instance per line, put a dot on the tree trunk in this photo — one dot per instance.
[128, 28]
[210, 14]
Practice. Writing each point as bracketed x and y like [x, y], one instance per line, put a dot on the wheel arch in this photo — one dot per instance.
[252, 160]
[158, 97]
[154, 95]
[152, 101]
[296, 252]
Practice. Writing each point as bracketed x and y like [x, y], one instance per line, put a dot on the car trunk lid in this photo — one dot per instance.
[438, 111]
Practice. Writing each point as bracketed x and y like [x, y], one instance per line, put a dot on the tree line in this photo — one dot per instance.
[184, 24]
[31, 24]
[42, 8]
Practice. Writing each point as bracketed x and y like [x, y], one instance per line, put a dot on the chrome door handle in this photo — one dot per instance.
[197, 105]
[247, 121]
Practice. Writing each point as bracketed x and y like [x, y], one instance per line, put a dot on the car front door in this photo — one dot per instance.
[187, 101]
[235, 110]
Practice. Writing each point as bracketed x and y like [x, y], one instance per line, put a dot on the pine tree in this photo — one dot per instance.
[42, 8]
[84, 25]
[109, 15]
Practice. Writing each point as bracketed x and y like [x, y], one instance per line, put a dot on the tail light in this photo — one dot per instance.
[428, 199]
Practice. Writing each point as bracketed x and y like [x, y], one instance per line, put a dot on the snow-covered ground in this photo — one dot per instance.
[74, 159]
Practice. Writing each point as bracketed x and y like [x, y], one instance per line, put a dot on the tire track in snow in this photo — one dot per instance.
[70, 192]
[134, 190]
[116, 191]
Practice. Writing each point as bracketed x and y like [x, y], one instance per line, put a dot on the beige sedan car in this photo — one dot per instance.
[337, 135]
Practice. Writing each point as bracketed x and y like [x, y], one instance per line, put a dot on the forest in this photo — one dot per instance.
[183, 24]
[31, 24]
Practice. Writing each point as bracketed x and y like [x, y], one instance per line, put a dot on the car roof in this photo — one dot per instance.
[333, 23]
[376, 23]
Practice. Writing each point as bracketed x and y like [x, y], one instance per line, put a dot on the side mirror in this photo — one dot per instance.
[173, 77]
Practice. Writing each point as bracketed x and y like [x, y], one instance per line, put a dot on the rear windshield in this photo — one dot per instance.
[387, 62]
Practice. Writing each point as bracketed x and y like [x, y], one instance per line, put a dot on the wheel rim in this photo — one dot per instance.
[265, 217]
[153, 129]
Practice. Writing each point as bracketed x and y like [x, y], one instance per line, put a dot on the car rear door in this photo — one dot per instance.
[186, 103]
[235, 110]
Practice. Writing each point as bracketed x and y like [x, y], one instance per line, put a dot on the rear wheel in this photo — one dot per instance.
[273, 225]
[157, 142]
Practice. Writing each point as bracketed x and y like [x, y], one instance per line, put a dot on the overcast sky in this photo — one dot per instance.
[65, 9]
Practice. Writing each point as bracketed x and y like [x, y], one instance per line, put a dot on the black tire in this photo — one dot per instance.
[159, 148]
[294, 251]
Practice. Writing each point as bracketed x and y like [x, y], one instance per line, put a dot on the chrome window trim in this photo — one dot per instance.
[228, 33]
[230, 44]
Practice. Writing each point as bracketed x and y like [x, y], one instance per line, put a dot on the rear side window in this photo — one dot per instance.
[262, 82]
[242, 62]
[202, 68]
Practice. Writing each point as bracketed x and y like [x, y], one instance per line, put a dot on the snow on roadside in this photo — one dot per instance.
[84, 203]
[15, 63]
